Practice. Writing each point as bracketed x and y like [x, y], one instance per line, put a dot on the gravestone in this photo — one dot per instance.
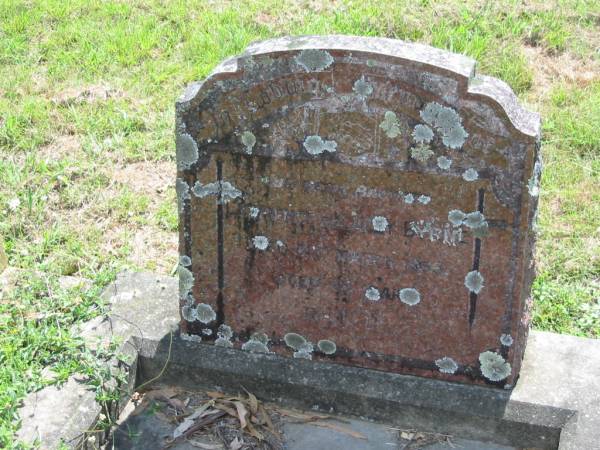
[361, 201]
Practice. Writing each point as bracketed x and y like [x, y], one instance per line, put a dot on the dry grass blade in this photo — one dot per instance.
[198, 425]
[198, 444]
[253, 402]
[303, 417]
[215, 394]
[348, 431]
[242, 413]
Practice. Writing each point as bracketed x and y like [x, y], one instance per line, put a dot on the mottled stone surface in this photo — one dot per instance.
[363, 201]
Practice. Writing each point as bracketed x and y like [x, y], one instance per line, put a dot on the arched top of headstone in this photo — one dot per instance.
[460, 67]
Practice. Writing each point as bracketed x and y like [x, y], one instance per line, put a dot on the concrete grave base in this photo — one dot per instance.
[555, 404]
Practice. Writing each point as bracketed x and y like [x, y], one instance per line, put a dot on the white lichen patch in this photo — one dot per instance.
[207, 331]
[190, 337]
[446, 122]
[248, 140]
[482, 230]
[409, 296]
[185, 260]
[424, 199]
[188, 313]
[205, 313]
[225, 332]
[182, 189]
[372, 294]
[456, 217]
[380, 223]
[362, 88]
[474, 281]
[294, 341]
[314, 60]
[186, 281]
[255, 347]
[533, 186]
[221, 342]
[204, 190]
[260, 242]
[409, 198]
[474, 219]
[253, 212]
[422, 134]
[186, 150]
[304, 351]
[421, 153]
[326, 346]
[229, 192]
[506, 340]
[470, 175]
[223, 190]
[493, 366]
[315, 145]
[446, 365]
[390, 125]
[444, 163]
[260, 337]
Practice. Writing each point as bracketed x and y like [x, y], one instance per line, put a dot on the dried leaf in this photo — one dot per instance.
[254, 433]
[253, 401]
[199, 444]
[232, 412]
[333, 426]
[163, 393]
[242, 413]
[236, 444]
[267, 419]
[215, 394]
[189, 421]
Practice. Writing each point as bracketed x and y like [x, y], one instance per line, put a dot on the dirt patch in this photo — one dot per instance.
[88, 94]
[146, 177]
[550, 69]
[60, 147]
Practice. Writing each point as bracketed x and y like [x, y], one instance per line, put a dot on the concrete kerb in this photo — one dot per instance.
[555, 404]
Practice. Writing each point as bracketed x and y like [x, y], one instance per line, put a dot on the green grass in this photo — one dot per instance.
[88, 87]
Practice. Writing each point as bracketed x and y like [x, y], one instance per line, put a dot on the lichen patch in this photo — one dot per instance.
[506, 340]
[372, 294]
[447, 122]
[470, 175]
[379, 223]
[474, 281]
[248, 140]
[326, 346]
[315, 145]
[362, 88]
[409, 296]
[493, 366]
[205, 313]
[421, 153]
[390, 125]
[260, 242]
[314, 60]
[186, 150]
[294, 340]
[444, 162]
[446, 365]
[422, 134]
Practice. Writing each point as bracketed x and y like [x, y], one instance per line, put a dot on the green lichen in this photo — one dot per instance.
[187, 151]
[421, 153]
[326, 346]
[294, 340]
[493, 366]
[362, 88]
[249, 140]
[390, 125]
[314, 60]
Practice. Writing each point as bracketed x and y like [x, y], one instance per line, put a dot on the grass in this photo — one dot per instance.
[87, 92]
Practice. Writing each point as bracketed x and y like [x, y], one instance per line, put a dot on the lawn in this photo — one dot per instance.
[87, 170]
